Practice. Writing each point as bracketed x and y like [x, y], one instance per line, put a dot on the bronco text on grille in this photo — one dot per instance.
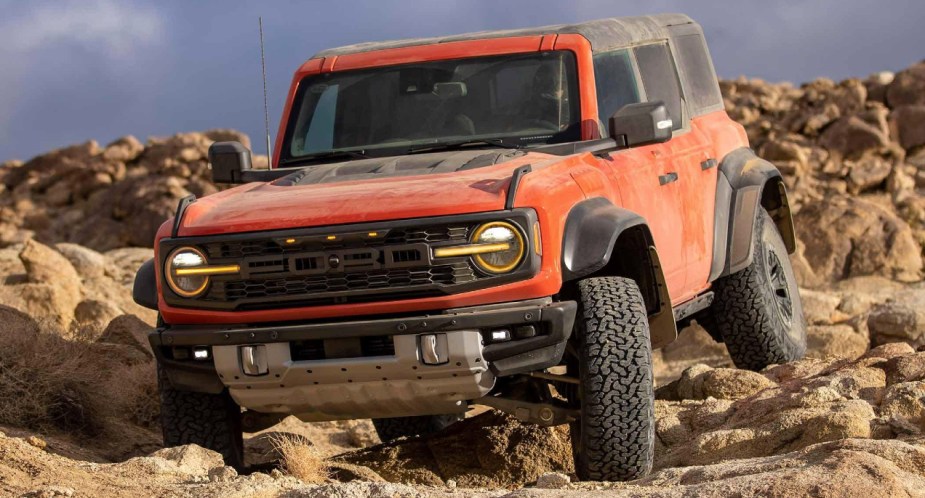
[338, 265]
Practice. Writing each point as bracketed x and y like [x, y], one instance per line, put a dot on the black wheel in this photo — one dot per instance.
[614, 439]
[394, 428]
[758, 311]
[212, 421]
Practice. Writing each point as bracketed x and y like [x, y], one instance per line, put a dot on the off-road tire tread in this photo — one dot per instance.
[617, 426]
[212, 421]
[744, 313]
[398, 427]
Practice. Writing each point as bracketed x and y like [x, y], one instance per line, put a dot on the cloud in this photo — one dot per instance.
[33, 39]
[114, 28]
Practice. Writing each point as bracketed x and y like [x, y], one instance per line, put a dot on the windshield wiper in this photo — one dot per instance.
[464, 143]
[332, 154]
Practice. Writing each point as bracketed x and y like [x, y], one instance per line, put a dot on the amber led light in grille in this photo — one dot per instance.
[208, 270]
[449, 252]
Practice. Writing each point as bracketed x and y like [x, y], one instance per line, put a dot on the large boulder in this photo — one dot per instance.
[128, 330]
[850, 137]
[908, 125]
[908, 87]
[901, 319]
[849, 237]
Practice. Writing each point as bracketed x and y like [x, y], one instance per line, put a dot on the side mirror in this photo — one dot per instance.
[641, 124]
[229, 162]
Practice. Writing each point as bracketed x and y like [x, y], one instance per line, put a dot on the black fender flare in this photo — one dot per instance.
[593, 229]
[746, 182]
[144, 290]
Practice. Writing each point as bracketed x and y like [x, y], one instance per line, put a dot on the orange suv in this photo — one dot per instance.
[513, 219]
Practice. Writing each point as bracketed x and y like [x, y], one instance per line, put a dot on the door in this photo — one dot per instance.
[648, 178]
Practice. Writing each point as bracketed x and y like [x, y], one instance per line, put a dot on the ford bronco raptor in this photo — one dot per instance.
[511, 219]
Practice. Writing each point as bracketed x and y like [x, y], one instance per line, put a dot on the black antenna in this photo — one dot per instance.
[266, 112]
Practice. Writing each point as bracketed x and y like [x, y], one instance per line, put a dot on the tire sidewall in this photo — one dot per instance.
[791, 338]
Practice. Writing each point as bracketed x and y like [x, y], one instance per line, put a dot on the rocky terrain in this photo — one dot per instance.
[78, 415]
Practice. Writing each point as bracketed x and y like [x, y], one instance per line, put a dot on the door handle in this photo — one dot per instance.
[709, 163]
[667, 178]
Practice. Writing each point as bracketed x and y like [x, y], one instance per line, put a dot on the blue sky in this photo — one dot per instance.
[72, 71]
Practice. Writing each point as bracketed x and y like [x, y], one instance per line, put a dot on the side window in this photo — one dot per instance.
[660, 79]
[703, 90]
[616, 84]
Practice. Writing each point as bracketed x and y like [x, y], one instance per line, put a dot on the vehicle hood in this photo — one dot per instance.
[375, 189]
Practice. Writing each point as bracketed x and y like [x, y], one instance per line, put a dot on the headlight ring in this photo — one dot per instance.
[499, 232]
[190, 285]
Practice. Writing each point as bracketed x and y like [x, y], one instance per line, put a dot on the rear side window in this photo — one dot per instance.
[697, 68]
[615, 83]
[660, 79]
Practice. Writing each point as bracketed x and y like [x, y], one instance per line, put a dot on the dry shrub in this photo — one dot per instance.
[51, 383]
[47, 382]
[301, 460]
[134, 390]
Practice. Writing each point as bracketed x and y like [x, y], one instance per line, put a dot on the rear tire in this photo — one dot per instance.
[212, 421]
[398, 427]
[614, 439]
[758, 312]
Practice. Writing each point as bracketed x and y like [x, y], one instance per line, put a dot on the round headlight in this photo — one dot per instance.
[499, 232]
[183, 283]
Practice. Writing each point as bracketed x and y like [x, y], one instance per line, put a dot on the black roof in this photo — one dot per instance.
[604, 34]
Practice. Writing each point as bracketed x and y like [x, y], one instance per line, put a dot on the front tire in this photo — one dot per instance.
[758, 311]
[212, 421]
[614, 438]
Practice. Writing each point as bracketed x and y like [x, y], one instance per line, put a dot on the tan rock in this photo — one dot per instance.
[903, 406]
[191, 459]
[889, 350]
[907, 368]
[821, 308]
[908, 125]
[701, 382]
[87, 262]
[908, 87]
[848, 238]
[125, 149]
[128, 330]
[851, 137]
[899, 320]
[93, 316]
[835, 340]
[44, 265]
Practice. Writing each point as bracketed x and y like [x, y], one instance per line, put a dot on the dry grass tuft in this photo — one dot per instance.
[301, 460]
[49, 383]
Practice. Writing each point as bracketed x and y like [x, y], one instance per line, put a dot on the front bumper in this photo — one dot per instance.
[400, 384]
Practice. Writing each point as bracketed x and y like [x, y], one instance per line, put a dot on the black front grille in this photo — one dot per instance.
[345, 264]
[449, 274]
[395, 236]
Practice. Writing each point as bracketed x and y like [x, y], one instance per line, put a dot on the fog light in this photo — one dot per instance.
[525, 331]
[500, 335]
[201, 353]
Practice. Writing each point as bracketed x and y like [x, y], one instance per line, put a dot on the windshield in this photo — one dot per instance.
[520, 99]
